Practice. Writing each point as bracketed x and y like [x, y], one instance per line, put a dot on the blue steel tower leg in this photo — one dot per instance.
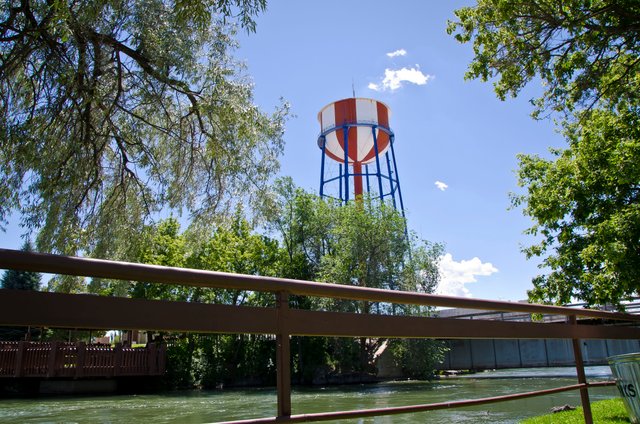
[395, 166]
[366, 170]
[392, 188]
[375, 146]
[345, 130]
[324, 153]
[340, 183]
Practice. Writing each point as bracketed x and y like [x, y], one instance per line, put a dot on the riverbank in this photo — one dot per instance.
[34, 387]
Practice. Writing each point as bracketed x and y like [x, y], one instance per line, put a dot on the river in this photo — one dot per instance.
[212, 406]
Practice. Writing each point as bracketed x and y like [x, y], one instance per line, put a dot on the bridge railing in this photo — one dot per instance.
[630, 308]
[97, 312]
[25, 359]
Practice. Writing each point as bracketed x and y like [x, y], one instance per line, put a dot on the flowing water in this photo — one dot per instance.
[212, 406]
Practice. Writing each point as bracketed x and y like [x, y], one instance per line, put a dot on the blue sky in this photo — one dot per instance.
[456, 143]
[447, 130]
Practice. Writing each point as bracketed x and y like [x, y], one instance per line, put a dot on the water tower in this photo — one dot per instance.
[355, 136]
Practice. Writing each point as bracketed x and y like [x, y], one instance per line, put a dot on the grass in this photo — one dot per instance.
[609, 411]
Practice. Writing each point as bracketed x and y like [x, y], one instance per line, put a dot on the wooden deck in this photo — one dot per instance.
[78, 360]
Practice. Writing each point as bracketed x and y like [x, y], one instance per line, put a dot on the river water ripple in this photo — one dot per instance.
[211, 406]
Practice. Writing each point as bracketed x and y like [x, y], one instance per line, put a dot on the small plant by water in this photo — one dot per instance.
[610, 411]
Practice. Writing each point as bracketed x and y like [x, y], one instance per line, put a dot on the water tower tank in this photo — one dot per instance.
[366, 112]
[355, 134]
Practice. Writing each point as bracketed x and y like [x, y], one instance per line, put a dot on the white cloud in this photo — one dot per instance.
[456, 274]
[393, 79]
[441, 186]
[401, 52]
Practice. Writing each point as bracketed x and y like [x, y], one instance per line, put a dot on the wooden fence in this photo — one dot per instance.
[96, 312]
[78, 360]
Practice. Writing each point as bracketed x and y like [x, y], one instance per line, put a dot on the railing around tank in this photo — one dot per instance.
[96, 312]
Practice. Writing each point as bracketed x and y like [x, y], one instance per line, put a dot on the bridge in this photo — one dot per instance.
[26, 308]
[26, 359]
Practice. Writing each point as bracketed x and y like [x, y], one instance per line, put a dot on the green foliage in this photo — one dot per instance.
[250, 358]
[584, 202]
[67, 284]
[234, 248]
[114, 111]
[231, 247]
[585, 52]
[421, 272]
[363, 243]
[310, 357]
[21, 280]
[367, 246]
[346, 355]
[301, 221]
[360, 244]
[182, 362]
[418, 358]
[209, 361]
[586, 206]
[162, 244]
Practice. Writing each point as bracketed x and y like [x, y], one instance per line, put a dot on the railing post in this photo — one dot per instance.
[20, 354]
[117, 359]
[582, 378]
[81, 350]
[162, 357]
[53, 354]
[152, 359]
[283, 356]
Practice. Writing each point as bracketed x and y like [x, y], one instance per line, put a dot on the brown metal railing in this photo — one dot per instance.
[88, 311]
[27, 359]
[630, 308]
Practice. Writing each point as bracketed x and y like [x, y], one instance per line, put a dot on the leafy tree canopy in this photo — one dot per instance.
[586, 206]
[113, 110]
[584, 200]
[584, 51]
[363, 243]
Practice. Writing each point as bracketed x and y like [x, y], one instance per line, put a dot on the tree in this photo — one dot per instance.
[362, 243]
[586, 206]
[234, 247]
[162, 244]
[585, 52]
[231, 247]
[417, 358]
[302, 222]
[21, 280]
[368, 247]
[583, 202]
[113, 111]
